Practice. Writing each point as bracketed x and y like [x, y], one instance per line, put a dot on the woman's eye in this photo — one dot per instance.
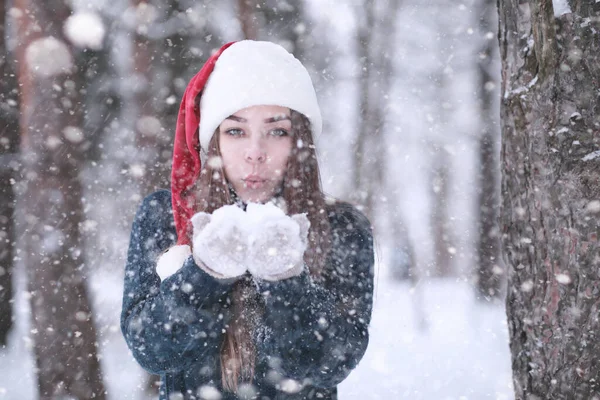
[234, 132]
[279, 132]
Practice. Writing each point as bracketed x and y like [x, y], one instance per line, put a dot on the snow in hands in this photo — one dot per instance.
[277, 242]
[219, 243]
[262, 240]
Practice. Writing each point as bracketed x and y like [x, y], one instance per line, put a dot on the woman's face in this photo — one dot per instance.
[255, 144]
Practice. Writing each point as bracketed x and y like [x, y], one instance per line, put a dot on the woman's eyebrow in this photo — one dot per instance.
[276, 118]
[267, 121]
[236, 118]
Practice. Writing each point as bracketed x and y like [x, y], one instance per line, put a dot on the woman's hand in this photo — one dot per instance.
[263, 240]
[277, 243]
[220, 244]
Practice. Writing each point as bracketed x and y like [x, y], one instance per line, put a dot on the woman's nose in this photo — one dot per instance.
[255, 152]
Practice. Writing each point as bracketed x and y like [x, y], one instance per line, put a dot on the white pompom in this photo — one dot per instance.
[172, 260]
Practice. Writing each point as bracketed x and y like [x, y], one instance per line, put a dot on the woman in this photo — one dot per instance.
[244, 281]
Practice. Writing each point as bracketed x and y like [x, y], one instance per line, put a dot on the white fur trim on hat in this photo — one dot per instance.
[172, 260]
[251, 73]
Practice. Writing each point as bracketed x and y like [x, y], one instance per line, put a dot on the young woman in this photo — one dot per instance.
[245, 281]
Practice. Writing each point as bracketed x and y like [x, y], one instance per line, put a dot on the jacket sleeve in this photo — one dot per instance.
[168, 325]
[317, 332]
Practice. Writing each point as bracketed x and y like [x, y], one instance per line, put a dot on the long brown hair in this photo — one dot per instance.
[301, 193]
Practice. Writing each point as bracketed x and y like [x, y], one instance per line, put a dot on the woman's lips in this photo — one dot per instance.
[254, 182]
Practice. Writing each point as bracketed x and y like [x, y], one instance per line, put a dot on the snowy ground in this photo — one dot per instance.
[461, 353]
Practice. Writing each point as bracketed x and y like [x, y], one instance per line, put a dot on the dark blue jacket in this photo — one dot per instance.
[313, 333]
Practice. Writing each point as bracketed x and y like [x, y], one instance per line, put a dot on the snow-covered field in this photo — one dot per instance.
[460, 353]
[442, 347]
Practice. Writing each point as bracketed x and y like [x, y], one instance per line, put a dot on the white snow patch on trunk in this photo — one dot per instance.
[592, 156]
[48, 57]
[593, 207]
[560, 7]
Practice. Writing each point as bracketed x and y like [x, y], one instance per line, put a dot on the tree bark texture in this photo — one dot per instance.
[490, 272]
[9, 167]
[53, 144]
[550, 116]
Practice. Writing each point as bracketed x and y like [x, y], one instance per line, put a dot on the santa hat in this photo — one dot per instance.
[239, 75]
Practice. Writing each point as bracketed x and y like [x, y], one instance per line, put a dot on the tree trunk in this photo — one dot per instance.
[440, 220]
[551, 196]
[52, 145]
[247, 18]
[157, 53]
[9, 144]
[363, 42]
[490, 273]
[376, 24]
[402, 260]
[147, 121]
[275, 20]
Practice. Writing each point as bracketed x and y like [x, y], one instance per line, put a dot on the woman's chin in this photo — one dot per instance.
[255, 197]
[261, 194]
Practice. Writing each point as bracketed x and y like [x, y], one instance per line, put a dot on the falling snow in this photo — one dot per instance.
[85, 30]
[429, 339]
[48, 56]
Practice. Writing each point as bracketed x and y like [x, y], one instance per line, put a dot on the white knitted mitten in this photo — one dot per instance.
[220, 245]
[277, 242]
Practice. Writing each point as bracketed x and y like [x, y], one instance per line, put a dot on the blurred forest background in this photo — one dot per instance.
[89, 96]
[413, 104]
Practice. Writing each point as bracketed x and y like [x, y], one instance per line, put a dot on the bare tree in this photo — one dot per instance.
[489, 267]
[280, 21]
[551, 195]
[247, 18]
[9, 144]
[440, 175]
[161, 55]
[53, 142]
[376, 23]
[402, 260]
[440, 218]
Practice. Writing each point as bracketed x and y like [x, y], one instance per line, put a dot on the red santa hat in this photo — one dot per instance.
[239, 75]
